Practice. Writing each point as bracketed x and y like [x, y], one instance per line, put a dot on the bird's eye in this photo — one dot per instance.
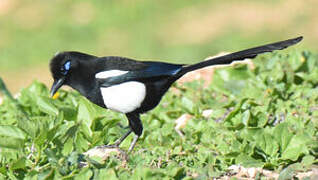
[66, 67]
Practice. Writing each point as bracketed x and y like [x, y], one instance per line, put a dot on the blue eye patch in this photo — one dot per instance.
[67, 65]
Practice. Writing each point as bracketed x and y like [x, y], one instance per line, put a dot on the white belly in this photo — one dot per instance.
[125, 97]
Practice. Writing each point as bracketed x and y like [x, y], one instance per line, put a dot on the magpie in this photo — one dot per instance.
[129, 86]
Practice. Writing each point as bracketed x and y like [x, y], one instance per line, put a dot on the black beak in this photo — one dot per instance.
[56, 85]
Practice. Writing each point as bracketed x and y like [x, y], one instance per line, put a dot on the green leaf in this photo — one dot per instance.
[187, 104]
[12, 143]
[81, 143]
[86, 114]
[46, 174]
[18, 164]
[45, 105]
[246, 117]
[68, 146]
[296, 147]
[235, 111]
[267, 144]
[106, 174]
[85, 173]
[52, 157]
[231, 81]
[12, 131]
[41, 138]
[177, 172]
[308, 160]
[248, 161]
[28, 125]
[282, 135]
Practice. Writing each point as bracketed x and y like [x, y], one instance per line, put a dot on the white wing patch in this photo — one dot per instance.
[125, 97]
[110, 73]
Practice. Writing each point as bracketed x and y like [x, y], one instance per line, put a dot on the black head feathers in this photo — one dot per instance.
[64, 62]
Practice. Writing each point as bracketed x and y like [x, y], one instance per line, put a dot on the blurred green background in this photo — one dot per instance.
[179, 31]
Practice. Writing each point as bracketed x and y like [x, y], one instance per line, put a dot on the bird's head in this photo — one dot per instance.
[64, 66]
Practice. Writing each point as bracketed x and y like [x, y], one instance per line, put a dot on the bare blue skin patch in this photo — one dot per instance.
[67, 67]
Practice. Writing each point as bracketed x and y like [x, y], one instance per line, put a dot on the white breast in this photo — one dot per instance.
[125, 97]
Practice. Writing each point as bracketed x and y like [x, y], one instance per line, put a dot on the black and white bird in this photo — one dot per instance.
[129, 86]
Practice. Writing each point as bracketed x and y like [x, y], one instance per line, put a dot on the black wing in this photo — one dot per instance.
[152, 70]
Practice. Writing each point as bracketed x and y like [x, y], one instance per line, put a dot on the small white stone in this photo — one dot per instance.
[104, 152]
[251, 172]
[182, 121]
[207, 113]
[17, 95]
[235, 168]
[270, 174]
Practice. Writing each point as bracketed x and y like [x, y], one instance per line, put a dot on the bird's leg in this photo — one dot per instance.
[136, 126]
[133, 143]
[124, 127]
[119, 141]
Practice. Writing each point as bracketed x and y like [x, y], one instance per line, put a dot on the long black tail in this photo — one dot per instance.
[241, 55]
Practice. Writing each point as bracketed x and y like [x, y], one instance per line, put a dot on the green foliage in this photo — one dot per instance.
[262, 117]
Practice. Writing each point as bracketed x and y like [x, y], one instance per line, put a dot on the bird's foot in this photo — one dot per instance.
[117, 143]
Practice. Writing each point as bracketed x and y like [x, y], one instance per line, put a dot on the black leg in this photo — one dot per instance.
[119, 141]
[135, 123]
[136, 126]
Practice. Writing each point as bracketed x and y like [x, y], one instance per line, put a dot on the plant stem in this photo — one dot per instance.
[6, 93]
[4, 90]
